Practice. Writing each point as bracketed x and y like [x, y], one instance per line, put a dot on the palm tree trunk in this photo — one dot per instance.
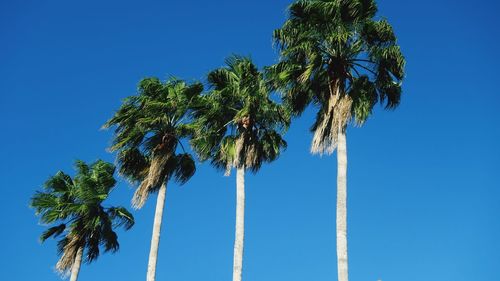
[342, 206]
[240, 224]
[155, 239]
[75, 269]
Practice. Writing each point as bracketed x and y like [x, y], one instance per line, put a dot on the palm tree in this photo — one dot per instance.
[149, 128]
[336, 55]
[75, 205]
[239, 127]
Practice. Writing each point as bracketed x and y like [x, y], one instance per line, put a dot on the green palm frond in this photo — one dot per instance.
[121, 217]
[60, 182]
[364, 96]
[184, 168]
[53, 232]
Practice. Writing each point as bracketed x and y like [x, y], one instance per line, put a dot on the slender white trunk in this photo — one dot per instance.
[155, 239]
[240, 224]
[342, 207]
[75, 269]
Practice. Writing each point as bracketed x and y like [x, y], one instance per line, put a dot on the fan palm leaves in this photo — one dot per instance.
[73, 206]
[149, 128]
[239, 126]
[336, 55]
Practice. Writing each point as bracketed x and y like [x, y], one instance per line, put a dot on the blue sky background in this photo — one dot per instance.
[424, 181]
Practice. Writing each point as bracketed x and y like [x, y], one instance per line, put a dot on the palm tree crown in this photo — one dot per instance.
[336, 55]
[238, 125]
[149, 129]
[76, 204]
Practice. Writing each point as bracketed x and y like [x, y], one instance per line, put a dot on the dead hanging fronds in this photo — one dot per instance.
[246, 152]
[68, 257]
[239, 153]
[154, 179]
[239, 144]
[232, 154]
[251, 155]
[335, 118]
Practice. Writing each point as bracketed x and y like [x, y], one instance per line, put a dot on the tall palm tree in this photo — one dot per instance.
[336, 55]
[239, 126]
[149, 128]
[75, 205]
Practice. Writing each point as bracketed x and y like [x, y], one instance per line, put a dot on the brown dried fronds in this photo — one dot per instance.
[68, 256]
[239, 146]
[154, 179]
[336, 118]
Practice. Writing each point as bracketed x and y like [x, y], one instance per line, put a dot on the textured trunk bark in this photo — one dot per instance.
[240, 224]
[342, 206]
[75, 269]
[155, 239]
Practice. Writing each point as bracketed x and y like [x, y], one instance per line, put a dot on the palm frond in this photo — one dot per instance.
[121, 217]
[364, 95]
[184, 168]
[52, 232]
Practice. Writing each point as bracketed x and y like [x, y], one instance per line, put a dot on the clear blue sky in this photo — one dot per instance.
[424, 180]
